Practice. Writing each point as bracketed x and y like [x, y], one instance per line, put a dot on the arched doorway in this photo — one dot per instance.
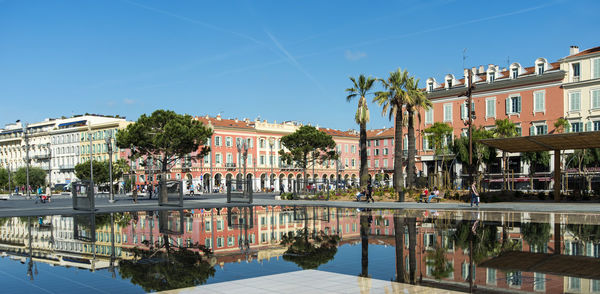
[206, 182]
[218, 183]
[263, 181]
[290, 183]
[239, 185]
[281, 185]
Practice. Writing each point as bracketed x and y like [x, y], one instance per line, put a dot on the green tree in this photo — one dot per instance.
[361, 89]
[440, 267]
[482, 154]
[307, 145]
[392, 99]
[4, 178]
[505, 128]
[440, 136]
[536, 234]
[166, 136]
[418, 100]
[37, 177]
[561, 125]
[168, 268]
[534, 159]
[582, 159]
[309, 254]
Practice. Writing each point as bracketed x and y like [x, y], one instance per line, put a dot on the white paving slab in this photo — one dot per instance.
[309, 281]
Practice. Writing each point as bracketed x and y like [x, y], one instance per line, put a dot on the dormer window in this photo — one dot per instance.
[540, 69]
[514, 73]
[430, 86]
[449, 82]
[491, 77]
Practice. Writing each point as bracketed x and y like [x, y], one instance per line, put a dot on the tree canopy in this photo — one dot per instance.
[37, 176]
[438, 135]
[4, 178]
[309, 255]
[305, 145]
[481, 153]
[101, 170]
[165, 135]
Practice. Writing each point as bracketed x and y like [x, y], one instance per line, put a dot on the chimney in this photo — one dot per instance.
[474, 70]
[481, 69]
[573, 50]
[236, 120]
[218, 116]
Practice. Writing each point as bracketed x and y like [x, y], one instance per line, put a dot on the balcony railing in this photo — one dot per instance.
[66, 166]
[230, 165]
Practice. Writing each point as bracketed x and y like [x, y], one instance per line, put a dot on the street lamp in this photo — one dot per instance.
[133, 177]
[49, 167]
[26, 158]
[91, 157]
[271, 143]
[108, 140]
[243, 153]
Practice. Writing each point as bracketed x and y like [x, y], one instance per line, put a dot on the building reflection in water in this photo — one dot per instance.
[457, 250]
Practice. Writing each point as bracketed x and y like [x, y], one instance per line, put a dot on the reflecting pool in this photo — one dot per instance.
[136, 252]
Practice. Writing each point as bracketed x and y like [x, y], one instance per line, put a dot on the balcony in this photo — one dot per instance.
[230, 165]
[289, 167]
[66, 167]
[576, 79]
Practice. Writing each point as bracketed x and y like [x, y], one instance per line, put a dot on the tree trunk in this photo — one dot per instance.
[364, 236]
[398, 175]
[364, 170]
[164, 198]
[399, 238]
[412, 247]
[412, 151]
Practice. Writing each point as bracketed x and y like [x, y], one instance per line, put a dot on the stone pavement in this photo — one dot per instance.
[62, 205]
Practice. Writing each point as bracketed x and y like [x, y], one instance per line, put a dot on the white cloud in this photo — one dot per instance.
[128, 101]
[354, 56]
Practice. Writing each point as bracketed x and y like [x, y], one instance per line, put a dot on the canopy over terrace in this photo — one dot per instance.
[552, 142]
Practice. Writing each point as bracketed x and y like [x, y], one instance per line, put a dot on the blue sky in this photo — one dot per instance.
[280, 60]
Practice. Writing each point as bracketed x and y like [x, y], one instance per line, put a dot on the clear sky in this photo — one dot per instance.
[280, 60]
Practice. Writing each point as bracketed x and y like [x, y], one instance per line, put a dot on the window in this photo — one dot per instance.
[514, 73]
[538, 130]
[539, 101]
[449, 83]
[490, 107]
[430, 86]
[218, 159]
[249, 142]
[448, 112]
[426, 144]
[218, 141]
[385, 151]
[376, 162]
[228, 142]
[576, 72]
[540, 68]
[220, 242]
[596, 68]
[369, 143]
[429, 116]
[576, 127]
[376, 152]
[368, 152]
[262, 143]
[596, 126]
[595, 96]
[229, 158]
[262, 159]
[353, 148]
[574, 101]
[207, 225]
[385, 141]
[369, 163]
[491, 276]
[376, 143]
[539, 282]
[491, 77]
[385, 163]
[219, 225]
[514, 279]
[513, 105]
[208, 242]
[574, 284]
[346, 148]
[353, 162]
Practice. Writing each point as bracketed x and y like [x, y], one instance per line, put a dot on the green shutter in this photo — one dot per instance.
[519, 104]
[531, 130]
[545, 129]
[462, 111]
[507, 105]
[588, 126]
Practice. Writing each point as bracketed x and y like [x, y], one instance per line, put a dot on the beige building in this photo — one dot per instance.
[582, 89]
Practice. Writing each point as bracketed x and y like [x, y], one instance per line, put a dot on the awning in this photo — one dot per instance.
[582, 140]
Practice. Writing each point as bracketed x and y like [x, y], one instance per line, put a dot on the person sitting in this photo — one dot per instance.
[434, 194]
[359, 195]
[424, 195]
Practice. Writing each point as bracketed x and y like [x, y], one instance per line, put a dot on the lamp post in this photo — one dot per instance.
[132, 148]
[271, 143]
[91, 156]
[9, 182]
[49, 167]
[243, 153]
[26, 159]
[111, 197]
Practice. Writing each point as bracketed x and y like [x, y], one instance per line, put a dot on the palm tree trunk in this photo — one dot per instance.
[364, 170]
[399, 238]
[410, 167]
[398, 176]
[364, 236]
[412, 247]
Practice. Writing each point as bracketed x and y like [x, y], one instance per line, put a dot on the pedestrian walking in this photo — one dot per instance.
[134, 194]
[370, 192]
[474, 195]
[49, 193]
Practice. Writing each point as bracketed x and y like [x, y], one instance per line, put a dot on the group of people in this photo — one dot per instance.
[435, 193]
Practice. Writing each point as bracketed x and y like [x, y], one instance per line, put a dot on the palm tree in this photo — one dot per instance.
[361, 89]
[418, 100]
[399, 238]
[393, 98]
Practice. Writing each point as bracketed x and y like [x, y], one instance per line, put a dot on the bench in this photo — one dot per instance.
[424, 198]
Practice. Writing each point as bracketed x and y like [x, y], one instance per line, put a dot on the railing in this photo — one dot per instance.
[66, 166]
[576, 79]
[230, 164]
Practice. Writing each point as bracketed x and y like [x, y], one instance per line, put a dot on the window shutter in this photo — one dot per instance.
[519, 104]
[597, 68]
[568, 128]
[588, 126]
[462, 111]
[531, 130]
[545, 129]
[507, 105]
